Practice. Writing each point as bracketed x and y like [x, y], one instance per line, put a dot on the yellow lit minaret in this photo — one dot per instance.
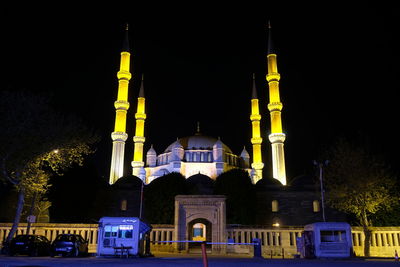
[277, 137]
[119, 135]
[138, 139]
[256, 139]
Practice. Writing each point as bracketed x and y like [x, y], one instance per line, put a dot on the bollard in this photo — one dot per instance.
[257, 248]
[204, 254]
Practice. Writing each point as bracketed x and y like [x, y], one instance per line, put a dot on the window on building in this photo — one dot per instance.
[209, 159]
[202, 157]
[110, 231]
[187, 156]
[125, 231]
[124, 204]
[316, 207]
[333, 236]
[275, 206]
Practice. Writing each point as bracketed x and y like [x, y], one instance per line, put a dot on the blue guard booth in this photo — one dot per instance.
[326, 240]
[123, 236]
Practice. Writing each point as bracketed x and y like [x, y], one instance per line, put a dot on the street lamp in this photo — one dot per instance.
[320, 166]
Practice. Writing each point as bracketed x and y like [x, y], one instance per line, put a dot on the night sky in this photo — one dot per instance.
[338, 64]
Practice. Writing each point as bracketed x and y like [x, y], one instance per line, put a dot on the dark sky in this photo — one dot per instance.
[338, 64]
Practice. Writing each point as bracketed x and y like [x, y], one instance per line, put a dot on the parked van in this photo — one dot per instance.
[326, 240]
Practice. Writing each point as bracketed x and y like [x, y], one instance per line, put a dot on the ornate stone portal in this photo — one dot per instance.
[208, 210]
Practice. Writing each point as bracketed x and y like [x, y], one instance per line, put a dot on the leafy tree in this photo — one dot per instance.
[359, 184]
[159, 198]
[240, 193]
[35, 142]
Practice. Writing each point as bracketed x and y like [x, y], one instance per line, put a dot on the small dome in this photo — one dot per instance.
[128, 182]
[302, 181]
[269, 183]
[200, 184]
[245, 154]
[151, 151]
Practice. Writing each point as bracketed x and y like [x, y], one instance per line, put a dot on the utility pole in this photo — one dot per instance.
[320, 165]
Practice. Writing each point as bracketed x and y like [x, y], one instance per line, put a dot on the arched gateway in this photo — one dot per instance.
[200, 218]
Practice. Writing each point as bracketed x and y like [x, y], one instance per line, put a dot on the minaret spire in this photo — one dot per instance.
[277, 137]
[119, 135]
[139, 139]
[256, 139]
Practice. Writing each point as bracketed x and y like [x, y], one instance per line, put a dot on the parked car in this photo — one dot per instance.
[69, 245]
[32, 245]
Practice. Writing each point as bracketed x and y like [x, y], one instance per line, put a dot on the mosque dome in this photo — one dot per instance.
[128, 182]
[269, 184]
[197, 141]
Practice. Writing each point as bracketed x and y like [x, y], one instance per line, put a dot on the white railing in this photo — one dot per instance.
[276, 242]
[51, 230]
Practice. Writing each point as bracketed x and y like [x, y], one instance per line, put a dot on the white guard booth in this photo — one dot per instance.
[326, 240]
[122, 236]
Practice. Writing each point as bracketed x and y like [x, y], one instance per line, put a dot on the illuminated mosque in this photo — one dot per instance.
[197, 154]
[203, 161]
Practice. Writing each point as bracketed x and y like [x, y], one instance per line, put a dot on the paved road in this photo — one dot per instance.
[22, 261]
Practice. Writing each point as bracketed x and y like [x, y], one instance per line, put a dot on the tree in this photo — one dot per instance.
[240, 196]
[359, 184]
[35, 142]
[159, 198]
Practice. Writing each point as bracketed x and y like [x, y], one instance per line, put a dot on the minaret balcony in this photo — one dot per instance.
[121, 104]
[255, 117]
[275, 106]
[277, 138]
[119, 136]
[257, 165]
[256, 140]
[139, 139]
[123, 74]
[140, 116]
[273, 76]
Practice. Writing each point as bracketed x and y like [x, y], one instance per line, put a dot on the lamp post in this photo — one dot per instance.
[320, 166]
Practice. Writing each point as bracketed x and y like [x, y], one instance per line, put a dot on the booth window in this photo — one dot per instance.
[275, 206]
[125, 231]
[124, 204]
[316, 207]
[333, 236]
[110, 231]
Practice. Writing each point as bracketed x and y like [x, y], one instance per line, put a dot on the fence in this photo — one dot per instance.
[276, 242]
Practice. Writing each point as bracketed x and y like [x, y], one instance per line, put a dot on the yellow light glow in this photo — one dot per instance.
[276, 224]
[275, 106]
[121, 105]
[256, 140]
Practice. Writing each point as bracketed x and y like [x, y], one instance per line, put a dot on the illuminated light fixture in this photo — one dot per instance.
[276, 224]
[56, 151]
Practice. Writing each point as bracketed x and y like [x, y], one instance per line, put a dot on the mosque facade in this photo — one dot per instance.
[196, 154]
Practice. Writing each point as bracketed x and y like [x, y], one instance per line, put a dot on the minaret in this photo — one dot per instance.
[119, 135]
[138, 139]
[277, 137]
[256, 139]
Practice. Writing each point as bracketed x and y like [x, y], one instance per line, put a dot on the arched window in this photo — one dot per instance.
[316, 207]
[194, 156]
[124, 204]
[209, 158]
[275, 205]
[202, 157]
[187, 156]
